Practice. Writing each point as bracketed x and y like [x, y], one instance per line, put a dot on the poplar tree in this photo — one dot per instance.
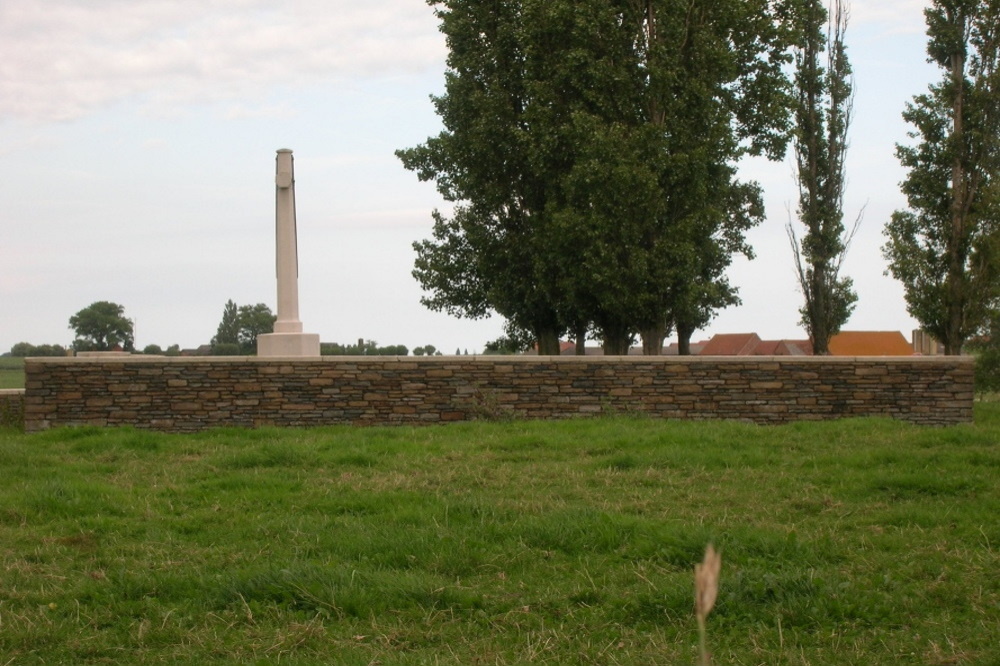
[823, 116]
[590, 149]
[944, 248]
[228, 332]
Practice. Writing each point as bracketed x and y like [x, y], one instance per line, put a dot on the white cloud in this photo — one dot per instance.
[64, 59]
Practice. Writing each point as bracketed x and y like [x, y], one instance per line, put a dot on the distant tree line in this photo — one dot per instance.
[363, 348]
[102, 326]
[28, 350]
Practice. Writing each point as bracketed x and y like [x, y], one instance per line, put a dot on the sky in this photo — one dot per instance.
[137, 159]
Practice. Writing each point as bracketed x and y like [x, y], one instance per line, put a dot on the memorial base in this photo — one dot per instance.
[288, 345]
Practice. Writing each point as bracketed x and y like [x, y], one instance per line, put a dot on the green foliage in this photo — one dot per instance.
[228, 332]
[152, 349]
[239, 328]
[364, 347]
[986, 349]
[227, 349]
[254, 321]
[509, 344]
[945, 248]
[502, 543]
[823, 118]
[590, 148]
[102, 326]
[428, 350]
[29, 350]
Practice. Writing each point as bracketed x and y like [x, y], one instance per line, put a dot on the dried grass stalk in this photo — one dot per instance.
[706, 590]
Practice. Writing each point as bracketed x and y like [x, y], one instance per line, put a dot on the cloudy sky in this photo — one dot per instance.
[137, 144]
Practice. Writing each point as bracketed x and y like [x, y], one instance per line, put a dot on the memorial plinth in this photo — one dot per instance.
[287, 339]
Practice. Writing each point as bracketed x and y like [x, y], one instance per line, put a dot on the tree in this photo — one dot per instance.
[589, 149]
[228, 332]
[710, 90]
[239, 328]
[254, 321]
[825, 102]
[945, 247]
[24, 349]
[489, 163]
[102, 326]
[364, 347]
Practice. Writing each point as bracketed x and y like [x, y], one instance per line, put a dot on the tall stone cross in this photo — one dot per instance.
[287, 339]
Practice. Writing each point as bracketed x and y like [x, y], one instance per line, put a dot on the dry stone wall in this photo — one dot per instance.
[185, 394]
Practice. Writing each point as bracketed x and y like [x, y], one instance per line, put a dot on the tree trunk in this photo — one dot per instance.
[819, 324]
[548, 342]
[581, 341]
[684, 333]
[617, 342]
[652, 340]
[956, 248]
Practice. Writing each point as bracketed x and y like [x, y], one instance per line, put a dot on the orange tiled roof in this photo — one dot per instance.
[731, 344]
[870, 344]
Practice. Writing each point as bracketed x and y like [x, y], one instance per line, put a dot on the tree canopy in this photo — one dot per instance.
[102, 326]
[945, 247]
[237, 332]
[590, 149]
[823, 116]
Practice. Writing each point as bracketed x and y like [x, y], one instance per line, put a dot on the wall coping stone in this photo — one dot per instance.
[499, 358]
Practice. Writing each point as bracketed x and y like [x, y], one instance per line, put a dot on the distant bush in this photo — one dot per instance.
[986, 349]
[987, 368]
[363, 348]
[152, 349]
[226, 349]
[29, 350]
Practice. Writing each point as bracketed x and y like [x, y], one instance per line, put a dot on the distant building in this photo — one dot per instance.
[843, 344]
[750, 344]
[924, 343]
[870, 344]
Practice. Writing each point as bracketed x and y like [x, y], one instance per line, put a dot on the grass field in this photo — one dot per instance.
[852, 542]
[11, 373]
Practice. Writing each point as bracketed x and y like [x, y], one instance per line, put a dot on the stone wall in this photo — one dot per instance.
[189, 394]
[11, 408]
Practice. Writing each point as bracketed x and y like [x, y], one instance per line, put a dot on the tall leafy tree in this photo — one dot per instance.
[240, 327]
[715, 92]
[254, 321]
[102, 326]
[488, 161]
[823, 115]
[945, 247]
[228, 332]
[590, 150]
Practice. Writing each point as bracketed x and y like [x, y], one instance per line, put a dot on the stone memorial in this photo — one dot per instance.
[287, 339]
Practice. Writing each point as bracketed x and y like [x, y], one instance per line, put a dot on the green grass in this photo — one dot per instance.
[852, 542]
[11, 373]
